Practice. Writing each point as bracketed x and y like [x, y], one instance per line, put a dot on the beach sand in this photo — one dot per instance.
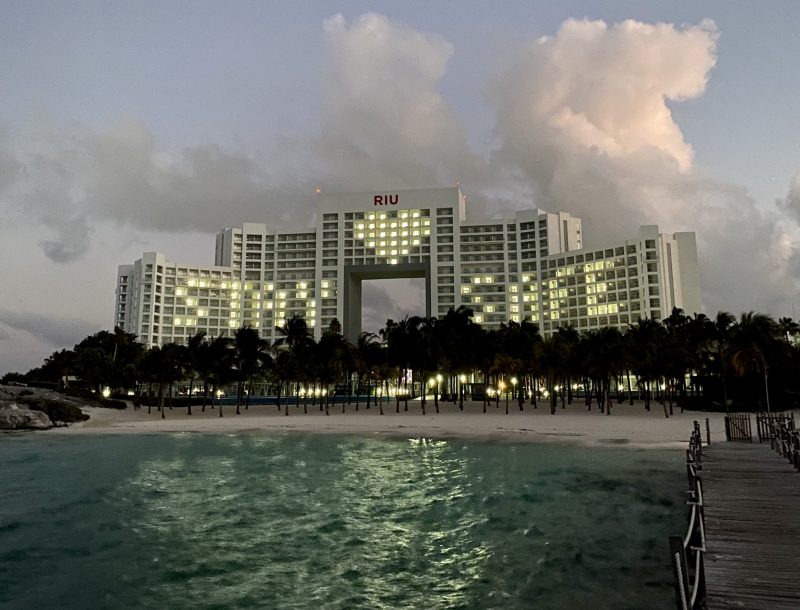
[626, 426]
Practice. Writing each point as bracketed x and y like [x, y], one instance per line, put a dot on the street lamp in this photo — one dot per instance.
[502, 386]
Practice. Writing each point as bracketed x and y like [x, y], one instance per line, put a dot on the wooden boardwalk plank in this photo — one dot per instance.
[752, 525]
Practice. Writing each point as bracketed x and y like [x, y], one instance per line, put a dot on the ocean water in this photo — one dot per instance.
[267, 521]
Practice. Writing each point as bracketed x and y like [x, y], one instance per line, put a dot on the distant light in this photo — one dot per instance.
[106, 392]
[317, 190]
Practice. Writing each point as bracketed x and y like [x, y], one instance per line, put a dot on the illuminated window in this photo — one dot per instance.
[515, 308]
[466, 289]
[180, 292]
[325, 284]
[488, 279]
[479, 319]
[613, 308]
[476, 280]
[192, 283]
[202, 313]
[191, 302]
[514, 299]
[178, 321]
[513, 288]
[324, 294]
[476, 299]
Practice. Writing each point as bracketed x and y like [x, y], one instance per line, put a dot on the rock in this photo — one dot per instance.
[12, 417]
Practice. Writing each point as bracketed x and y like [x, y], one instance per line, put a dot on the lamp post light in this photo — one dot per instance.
[462, 379]
[502, 387]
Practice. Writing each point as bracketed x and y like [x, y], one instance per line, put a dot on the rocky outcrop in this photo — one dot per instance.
[14, 417]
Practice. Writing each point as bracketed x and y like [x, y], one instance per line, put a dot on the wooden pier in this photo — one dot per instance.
[742, 546]
[751, 503]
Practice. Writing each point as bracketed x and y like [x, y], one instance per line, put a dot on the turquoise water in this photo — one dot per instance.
[256, 521]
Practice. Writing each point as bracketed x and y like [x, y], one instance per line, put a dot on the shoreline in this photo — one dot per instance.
[626, 427]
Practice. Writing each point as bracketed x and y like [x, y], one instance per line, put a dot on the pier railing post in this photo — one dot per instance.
[680, 571]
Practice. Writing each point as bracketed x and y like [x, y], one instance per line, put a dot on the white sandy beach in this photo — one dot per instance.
[626, 426]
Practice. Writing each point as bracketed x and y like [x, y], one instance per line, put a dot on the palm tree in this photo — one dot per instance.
[645, 341]
[369, 354]
[603, 361]
[220, 353]
[752, 344]
[251, 354]
[164, 366]
[331, 360]
[723, 324]
[194, 347]
[294, 336]
[788, 329]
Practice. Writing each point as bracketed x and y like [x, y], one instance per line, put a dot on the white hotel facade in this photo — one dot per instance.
[532, 265]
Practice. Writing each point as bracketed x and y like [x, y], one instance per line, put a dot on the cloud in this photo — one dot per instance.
[384, 123]
[56, 332]
[27, 338]
[585, 124]
[393, 299]
[67, 181]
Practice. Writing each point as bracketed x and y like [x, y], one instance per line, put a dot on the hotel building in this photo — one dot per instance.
[532, 265]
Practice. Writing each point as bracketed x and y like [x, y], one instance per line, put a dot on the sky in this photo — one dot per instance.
[138, 126]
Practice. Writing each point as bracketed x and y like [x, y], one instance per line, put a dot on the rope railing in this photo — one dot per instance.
[690, 587]
[785, 439]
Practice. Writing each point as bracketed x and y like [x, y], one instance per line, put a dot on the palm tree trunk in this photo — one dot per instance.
[191, 387]
[630, 389]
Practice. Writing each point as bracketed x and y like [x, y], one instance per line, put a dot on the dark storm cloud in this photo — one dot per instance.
[57, 332]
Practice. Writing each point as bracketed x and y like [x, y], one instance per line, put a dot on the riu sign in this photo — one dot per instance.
[385, 199]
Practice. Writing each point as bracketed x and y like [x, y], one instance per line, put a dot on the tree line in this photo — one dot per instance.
[684, 360]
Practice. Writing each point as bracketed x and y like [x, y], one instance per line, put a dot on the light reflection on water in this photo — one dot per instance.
[337, 522]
